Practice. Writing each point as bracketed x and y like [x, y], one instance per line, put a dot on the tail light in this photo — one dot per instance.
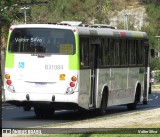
[74, 78]
[72, 85]
[7, 76]
[9, 82]
[9, 85]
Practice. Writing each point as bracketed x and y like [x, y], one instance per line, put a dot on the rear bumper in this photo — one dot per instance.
[41, 97]
[55, 105]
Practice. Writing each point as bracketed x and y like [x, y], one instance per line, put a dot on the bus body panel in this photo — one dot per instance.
[121, 83]
[36, 90]
[84, 88]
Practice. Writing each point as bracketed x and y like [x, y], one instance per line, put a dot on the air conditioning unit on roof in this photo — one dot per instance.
[72, 23]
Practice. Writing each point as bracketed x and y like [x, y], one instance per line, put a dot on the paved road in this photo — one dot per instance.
[16, 117]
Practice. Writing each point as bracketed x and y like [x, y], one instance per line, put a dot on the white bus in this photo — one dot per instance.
[59, 66]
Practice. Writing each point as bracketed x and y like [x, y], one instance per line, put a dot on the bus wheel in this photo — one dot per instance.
[150, 90]
[145, 102]
[103, 107]
[27, 108]
[133, 106]
[43, 111]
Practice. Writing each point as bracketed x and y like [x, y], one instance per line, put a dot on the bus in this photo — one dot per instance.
[71, 65]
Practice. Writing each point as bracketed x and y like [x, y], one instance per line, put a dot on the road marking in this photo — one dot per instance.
[156, 97]
[10, 107]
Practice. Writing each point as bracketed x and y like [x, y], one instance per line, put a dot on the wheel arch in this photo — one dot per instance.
[104, 89]
[138, 91]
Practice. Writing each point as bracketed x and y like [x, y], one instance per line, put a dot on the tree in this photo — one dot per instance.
[4, 19]
[87, 11]
[153, 30]
[8, 13]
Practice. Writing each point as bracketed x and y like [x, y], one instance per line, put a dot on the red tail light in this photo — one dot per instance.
[9, 82]
[72, 84]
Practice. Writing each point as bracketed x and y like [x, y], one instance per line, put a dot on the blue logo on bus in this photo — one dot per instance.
[21, 65]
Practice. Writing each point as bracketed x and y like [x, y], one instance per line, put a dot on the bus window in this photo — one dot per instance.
[84, 52]
[123, 52]
[46, 40]
[111, 47]
[116, 51]
[140, 52]
[132, 52]
[105, 52]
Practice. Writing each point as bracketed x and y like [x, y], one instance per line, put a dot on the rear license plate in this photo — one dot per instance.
[40, 84]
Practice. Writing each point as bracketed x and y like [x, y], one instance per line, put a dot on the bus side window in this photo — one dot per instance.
[132, 52]
[116, 52]
[105, 55]
[123, 52]
[140, 53]
[84, 52]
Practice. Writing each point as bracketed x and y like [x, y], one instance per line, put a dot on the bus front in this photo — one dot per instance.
[41, 65]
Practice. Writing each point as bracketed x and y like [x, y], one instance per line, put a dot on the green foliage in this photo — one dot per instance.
[153, 12]
[155, 64]
[82, 10]
[100, 135]
[153, 30]
[8, 11]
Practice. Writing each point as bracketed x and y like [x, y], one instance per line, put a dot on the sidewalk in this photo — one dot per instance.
[156, 87]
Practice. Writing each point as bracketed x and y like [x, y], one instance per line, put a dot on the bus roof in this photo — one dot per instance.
[89, 30]
[111, 32]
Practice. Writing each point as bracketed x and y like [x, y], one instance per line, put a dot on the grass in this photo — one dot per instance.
[156, 86]
[104, 135]
[125, 133]
[114, 132]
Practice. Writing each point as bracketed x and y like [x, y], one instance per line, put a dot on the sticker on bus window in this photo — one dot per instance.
[66, 48]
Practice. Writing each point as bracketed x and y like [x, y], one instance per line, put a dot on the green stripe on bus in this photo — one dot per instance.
[9, 60]
[74, 59]
[137, 35]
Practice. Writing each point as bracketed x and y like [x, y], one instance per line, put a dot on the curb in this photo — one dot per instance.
[5, 104]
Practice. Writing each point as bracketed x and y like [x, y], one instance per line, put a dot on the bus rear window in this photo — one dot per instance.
[38, 40]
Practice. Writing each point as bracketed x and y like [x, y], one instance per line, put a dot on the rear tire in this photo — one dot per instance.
[27, 108]
[133, 106]
[145, 102]
[43, 111]
[150, 89]
[103, 106]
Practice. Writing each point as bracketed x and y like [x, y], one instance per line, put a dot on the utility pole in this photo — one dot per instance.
[1, 55]
[125, 15]
[25, 13]
[158, 37]
[25, 8]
